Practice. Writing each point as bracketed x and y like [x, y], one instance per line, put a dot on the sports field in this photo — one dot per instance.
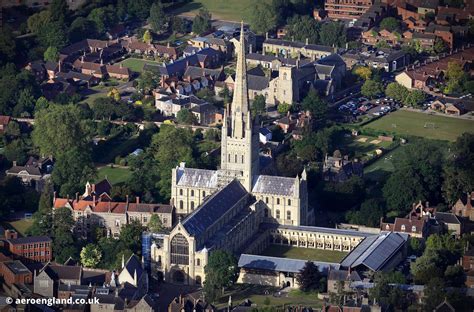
[423, 125]
[220, 9]
[304, 253]
[115, 175]
[136, 65]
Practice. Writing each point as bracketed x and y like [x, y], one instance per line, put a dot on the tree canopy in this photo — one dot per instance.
[202, 21]
[221, 272]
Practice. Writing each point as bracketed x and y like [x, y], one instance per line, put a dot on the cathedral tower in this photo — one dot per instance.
[239, 151]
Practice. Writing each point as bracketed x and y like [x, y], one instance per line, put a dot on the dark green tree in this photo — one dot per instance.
[7, 46]
[43, 217]
[304, 27]
[316, 106]
[371, 210]
[58, 10]
[263, 17]
[221, 272]
[371, 88]
[390, 24]
[333, 34]
[131, 236]
[158, 18]
[185, 116]
[63, 239]
[258, 105]
[308, 277]
[202, 21]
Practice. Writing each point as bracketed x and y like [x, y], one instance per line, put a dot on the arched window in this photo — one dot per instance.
[198, 280]
[192, 192]
[289, 202]
[277, 214]
[181, 206]
[203, 193]
[288, 215]
[192, 205]
[179, 250]
[278, 201]
[266, 200]
[235, 158]
[198, 262]
[181, 192]
[242, 158]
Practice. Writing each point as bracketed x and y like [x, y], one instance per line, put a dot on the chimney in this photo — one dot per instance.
[101, 62]
[126, 196]
[168, 45]
[292, 38]
[14, 163]
[250, 48]
[59, 66]
[266, 35]
[307, 41]
[123, 261]
[54, 196]
[121, 65]
[77, 196]
[82, 59]
[298, 63]
[137, 199]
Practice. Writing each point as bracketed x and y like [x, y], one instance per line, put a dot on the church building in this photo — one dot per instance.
[224, 208]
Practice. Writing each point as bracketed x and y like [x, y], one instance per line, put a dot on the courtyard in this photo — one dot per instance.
[283, 251]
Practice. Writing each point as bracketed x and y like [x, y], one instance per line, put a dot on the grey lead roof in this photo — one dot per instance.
[317, 229]
[200, 178]
[274, 185]
[214, 208]
[281, 264]
[374, 251]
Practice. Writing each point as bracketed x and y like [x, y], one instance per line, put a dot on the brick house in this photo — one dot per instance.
[464, 206]
[32, 248]
[346, 9]
[468, 260]
[4, 121]
[15, 272]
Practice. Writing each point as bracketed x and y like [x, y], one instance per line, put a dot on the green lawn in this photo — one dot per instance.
[136, 64]
[304, 253]
[361, 145]
[115, 175]
[21, 226]
[423, 125]
[257, 295]
[106, 152]
[220, 9]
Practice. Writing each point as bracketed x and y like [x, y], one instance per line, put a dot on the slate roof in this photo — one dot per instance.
[214, 208]
[132, 264]
[63, 272]
[17, 267]
[274, 185]
[447, 217]
[199, 178]
[29, 240]
[280, 264]
[343, 275]
[257, 82]
[375, 251]
[197, 72]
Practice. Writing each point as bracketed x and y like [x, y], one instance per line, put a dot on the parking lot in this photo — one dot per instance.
[359, 106]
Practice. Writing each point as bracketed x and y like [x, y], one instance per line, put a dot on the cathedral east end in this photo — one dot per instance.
[224, 208]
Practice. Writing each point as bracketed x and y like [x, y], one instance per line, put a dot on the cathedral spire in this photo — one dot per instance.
[240, 101]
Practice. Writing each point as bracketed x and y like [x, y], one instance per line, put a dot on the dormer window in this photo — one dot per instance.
[387, 227]
[413, 228]
[403, 227]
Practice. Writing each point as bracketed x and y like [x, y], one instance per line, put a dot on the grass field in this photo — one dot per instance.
[115, 175]
[361, 145]
[304, 253]
[136, 65]
[383, 166]
[21, 226]
[220, 9]
[413, 123]
[257, 295]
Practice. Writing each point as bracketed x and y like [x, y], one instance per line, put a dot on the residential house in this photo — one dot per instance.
[90, 68]
[450, 222]
[15, 272]
[150, 49]
[37, 69]
[169, 104]
[388, 59]
[452, 106]
[101, 189]
[133, 274]
[464, 206]
[415, 227]
[340, 280]
[287, 123]
[468, 260]
[346, 9]
[34, 173]
[205, 113]
[118, 72]
[222, 45]
[4, 121]
[295, 48]
[79, 79]
[48, 278]
[265, 135]
[339, 169]
[111, 215]
[189, 303]
[372, 37]
[31, 248]
[116, 32]
[273, 62]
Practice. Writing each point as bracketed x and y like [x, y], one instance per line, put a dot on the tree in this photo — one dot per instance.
[301, 28]
[52, 35]
[63, 239]
[258, 105]
[139, 9]
[114, 94]
[147, 38]
[58, 128]
[369, 214]
[90, 255]
[202, 21]
[263, 17]
[38, 20]
[25, 105]
[439, 46]
[386, 294]
[185, 116]
[59, 11]
[363, 72]
[316, 106]
[433, 294]
[157, 17]
[103, 18]
[221, 272]
[51, 54]
[333, 34]
[308, 277]
[82, 28]
[415, 98]
[147, 82]
[283, 108]
[155, 225]
[7, 46]
[371, 88]
[417, 177]
[396, 91]
[455, 77]
[458, 177]
[72, 169]
[390, 23]
[178, 25]
[43, 217]
[131, 236]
